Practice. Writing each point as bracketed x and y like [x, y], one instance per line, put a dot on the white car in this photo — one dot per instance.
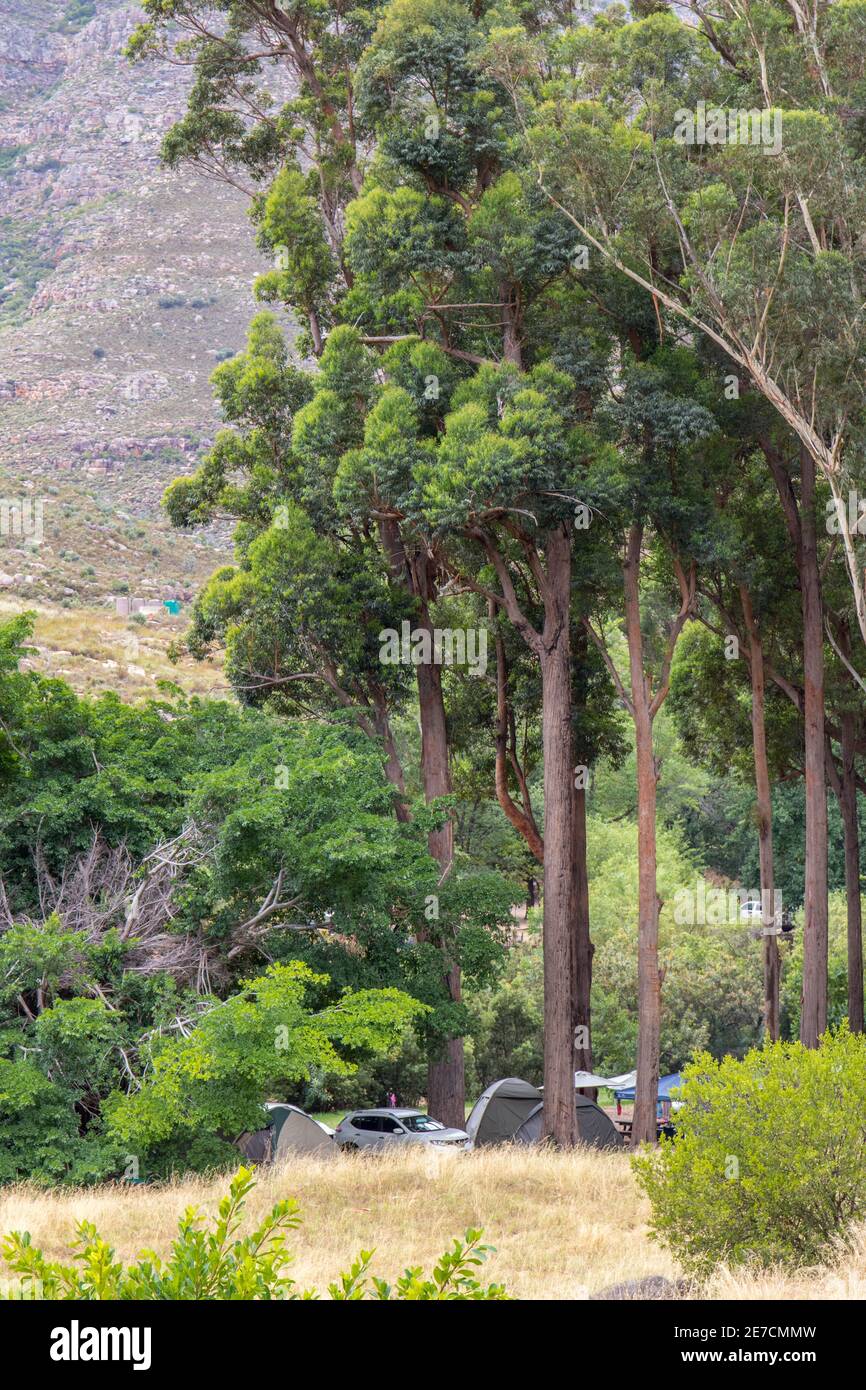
[751, 910]
[381, 1129]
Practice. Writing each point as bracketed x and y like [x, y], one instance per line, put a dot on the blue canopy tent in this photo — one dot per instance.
[665, 1101]
[667, 1084]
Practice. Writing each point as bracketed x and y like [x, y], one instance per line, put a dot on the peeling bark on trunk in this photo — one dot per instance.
[765, 820]
[813, 1019]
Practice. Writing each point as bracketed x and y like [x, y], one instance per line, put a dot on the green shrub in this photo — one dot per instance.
[769, 1162]
[217, 1264]
[38, 1129]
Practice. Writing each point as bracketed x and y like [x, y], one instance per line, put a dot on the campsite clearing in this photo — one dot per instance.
[564, 1225]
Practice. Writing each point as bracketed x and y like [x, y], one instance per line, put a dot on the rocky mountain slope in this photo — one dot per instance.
[121, 286]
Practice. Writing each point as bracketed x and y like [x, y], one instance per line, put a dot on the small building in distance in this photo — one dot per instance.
[127, 607]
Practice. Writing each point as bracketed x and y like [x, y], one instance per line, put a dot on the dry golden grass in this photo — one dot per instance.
[564, 1225]
[95, 650]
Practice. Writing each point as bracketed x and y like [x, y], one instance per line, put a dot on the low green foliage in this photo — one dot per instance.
[769, 1162]
[38, 1127]
[218, 1264]
[139, 1062]
[256, 1042]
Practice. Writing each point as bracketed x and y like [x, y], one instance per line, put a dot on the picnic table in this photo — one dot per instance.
[625, 1127]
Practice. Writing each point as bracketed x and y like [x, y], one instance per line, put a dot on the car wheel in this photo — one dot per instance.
[350, 1149]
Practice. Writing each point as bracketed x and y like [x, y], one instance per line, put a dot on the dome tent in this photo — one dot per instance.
[512, 1109]
[500, 1111]
[594, 1127]
[297, 1132]
[289, 1131]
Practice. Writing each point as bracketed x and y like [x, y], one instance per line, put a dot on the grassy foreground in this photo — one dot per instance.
[564, 1225]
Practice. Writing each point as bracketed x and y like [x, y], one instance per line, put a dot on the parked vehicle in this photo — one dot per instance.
[381, 1129]
[751, 910]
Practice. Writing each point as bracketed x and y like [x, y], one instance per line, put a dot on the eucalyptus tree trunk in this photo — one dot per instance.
[802, 528]
[583, 949]
[813, 1018]
[649, 982]
[446, 1086]
[765, 821]
[851, 832]
[552, 648]
[560, 1123]
[643, 703]
[523, 820]
[844, 784]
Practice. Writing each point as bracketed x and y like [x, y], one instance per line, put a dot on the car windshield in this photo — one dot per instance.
[419, 1123]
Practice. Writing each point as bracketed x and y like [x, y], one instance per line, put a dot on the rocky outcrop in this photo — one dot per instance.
[121, 284]
[654, 1288]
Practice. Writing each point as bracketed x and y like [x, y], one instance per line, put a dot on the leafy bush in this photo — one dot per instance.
[38, 1132]
[216, 1264]
[769, 1162]
[213, 1079]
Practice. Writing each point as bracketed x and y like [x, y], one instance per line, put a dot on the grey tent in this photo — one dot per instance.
[257, 1145]
[594, 1127]
[511, 1109]
[289, 1132]
[501, 1110]
[296, 1132]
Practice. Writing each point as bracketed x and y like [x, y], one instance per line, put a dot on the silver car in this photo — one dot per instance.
[381, 1129]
